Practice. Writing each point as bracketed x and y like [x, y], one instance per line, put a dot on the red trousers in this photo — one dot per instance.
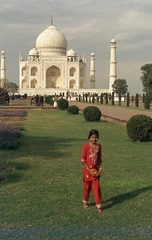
[95, 187]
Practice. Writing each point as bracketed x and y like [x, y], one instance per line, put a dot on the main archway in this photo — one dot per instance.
[53, 77]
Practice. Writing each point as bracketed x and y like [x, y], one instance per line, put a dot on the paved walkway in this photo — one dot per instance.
[113, 112]
[110, 113]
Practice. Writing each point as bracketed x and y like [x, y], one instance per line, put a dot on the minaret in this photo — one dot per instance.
[113, 71]
[3, 69]
[92, 71]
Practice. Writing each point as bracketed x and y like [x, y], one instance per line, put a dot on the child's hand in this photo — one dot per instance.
[100, 171]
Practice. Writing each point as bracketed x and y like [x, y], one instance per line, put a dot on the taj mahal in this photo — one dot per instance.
[51, 68]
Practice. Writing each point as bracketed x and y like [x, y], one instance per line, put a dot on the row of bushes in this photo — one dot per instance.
[105, 98]
[139, 127]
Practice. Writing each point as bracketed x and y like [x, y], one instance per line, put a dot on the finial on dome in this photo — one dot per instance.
[51, 21]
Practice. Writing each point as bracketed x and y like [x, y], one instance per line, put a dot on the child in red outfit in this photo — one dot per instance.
[91, 158]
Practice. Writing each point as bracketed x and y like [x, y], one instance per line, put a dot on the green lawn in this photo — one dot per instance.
[42, 198]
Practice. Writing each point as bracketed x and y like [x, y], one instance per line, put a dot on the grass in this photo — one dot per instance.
[42, 198]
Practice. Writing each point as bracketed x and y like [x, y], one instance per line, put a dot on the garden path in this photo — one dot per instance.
[113, 113]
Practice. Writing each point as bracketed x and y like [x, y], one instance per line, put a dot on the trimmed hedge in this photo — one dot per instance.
[92, 113]
[139, 128]
[62, 104]
[49, 100]
[73, 109]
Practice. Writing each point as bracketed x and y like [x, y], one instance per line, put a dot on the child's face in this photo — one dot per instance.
[93, 138]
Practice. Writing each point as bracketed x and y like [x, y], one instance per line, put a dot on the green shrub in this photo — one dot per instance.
[92, 113]
[24, 96]
[112, 99]
[147, 102]
[3, 96]
[101, 98]
[128, 99]
[139, 128]
[143, 98]
[73, 109]
[62, 104]
[18, 96]
[106, 98]
[93, 98]
[137, 100]
[49, 100]
[119, 99]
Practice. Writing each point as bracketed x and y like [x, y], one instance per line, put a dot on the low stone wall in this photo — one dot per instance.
[27, 108]
[114, 120]
[110, 119]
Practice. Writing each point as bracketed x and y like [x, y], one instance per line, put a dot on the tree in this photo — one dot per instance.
[6, 84]
[106, 98]
[128, 99]
[10, 86]
[13, 87]
[137, 100]
[101, 98]
[3, 96]
[147, 102]
[120, 86]
[146, 78]
[112, 101]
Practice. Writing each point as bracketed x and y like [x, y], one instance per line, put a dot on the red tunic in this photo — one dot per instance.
[92, 157]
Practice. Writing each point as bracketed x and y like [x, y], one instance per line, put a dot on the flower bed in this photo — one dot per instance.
[13, 113]
[9, 135]
[10, 128]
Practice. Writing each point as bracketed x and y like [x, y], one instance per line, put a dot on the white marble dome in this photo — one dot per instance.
[52, 40]
[33, 52]
[71, 53]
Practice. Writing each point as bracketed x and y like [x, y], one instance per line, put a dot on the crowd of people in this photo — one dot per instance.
[37, 100]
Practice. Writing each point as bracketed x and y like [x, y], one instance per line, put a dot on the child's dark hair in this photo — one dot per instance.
[93, 131]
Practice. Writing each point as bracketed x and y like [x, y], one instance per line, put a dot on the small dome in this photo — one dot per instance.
[113, 41]
[2, 51]
[33, 52]
[92, 54]
[71, 53]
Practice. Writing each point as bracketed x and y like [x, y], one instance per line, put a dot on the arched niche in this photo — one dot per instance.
[33, 71]
[24, 71]
[23, 83]
[72, 83]
[72, 72]
[53, 77]
[34, 83]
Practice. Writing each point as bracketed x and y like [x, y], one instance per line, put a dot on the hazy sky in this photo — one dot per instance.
[89, 26]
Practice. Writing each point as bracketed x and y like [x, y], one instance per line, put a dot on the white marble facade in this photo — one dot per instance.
[50, 67]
